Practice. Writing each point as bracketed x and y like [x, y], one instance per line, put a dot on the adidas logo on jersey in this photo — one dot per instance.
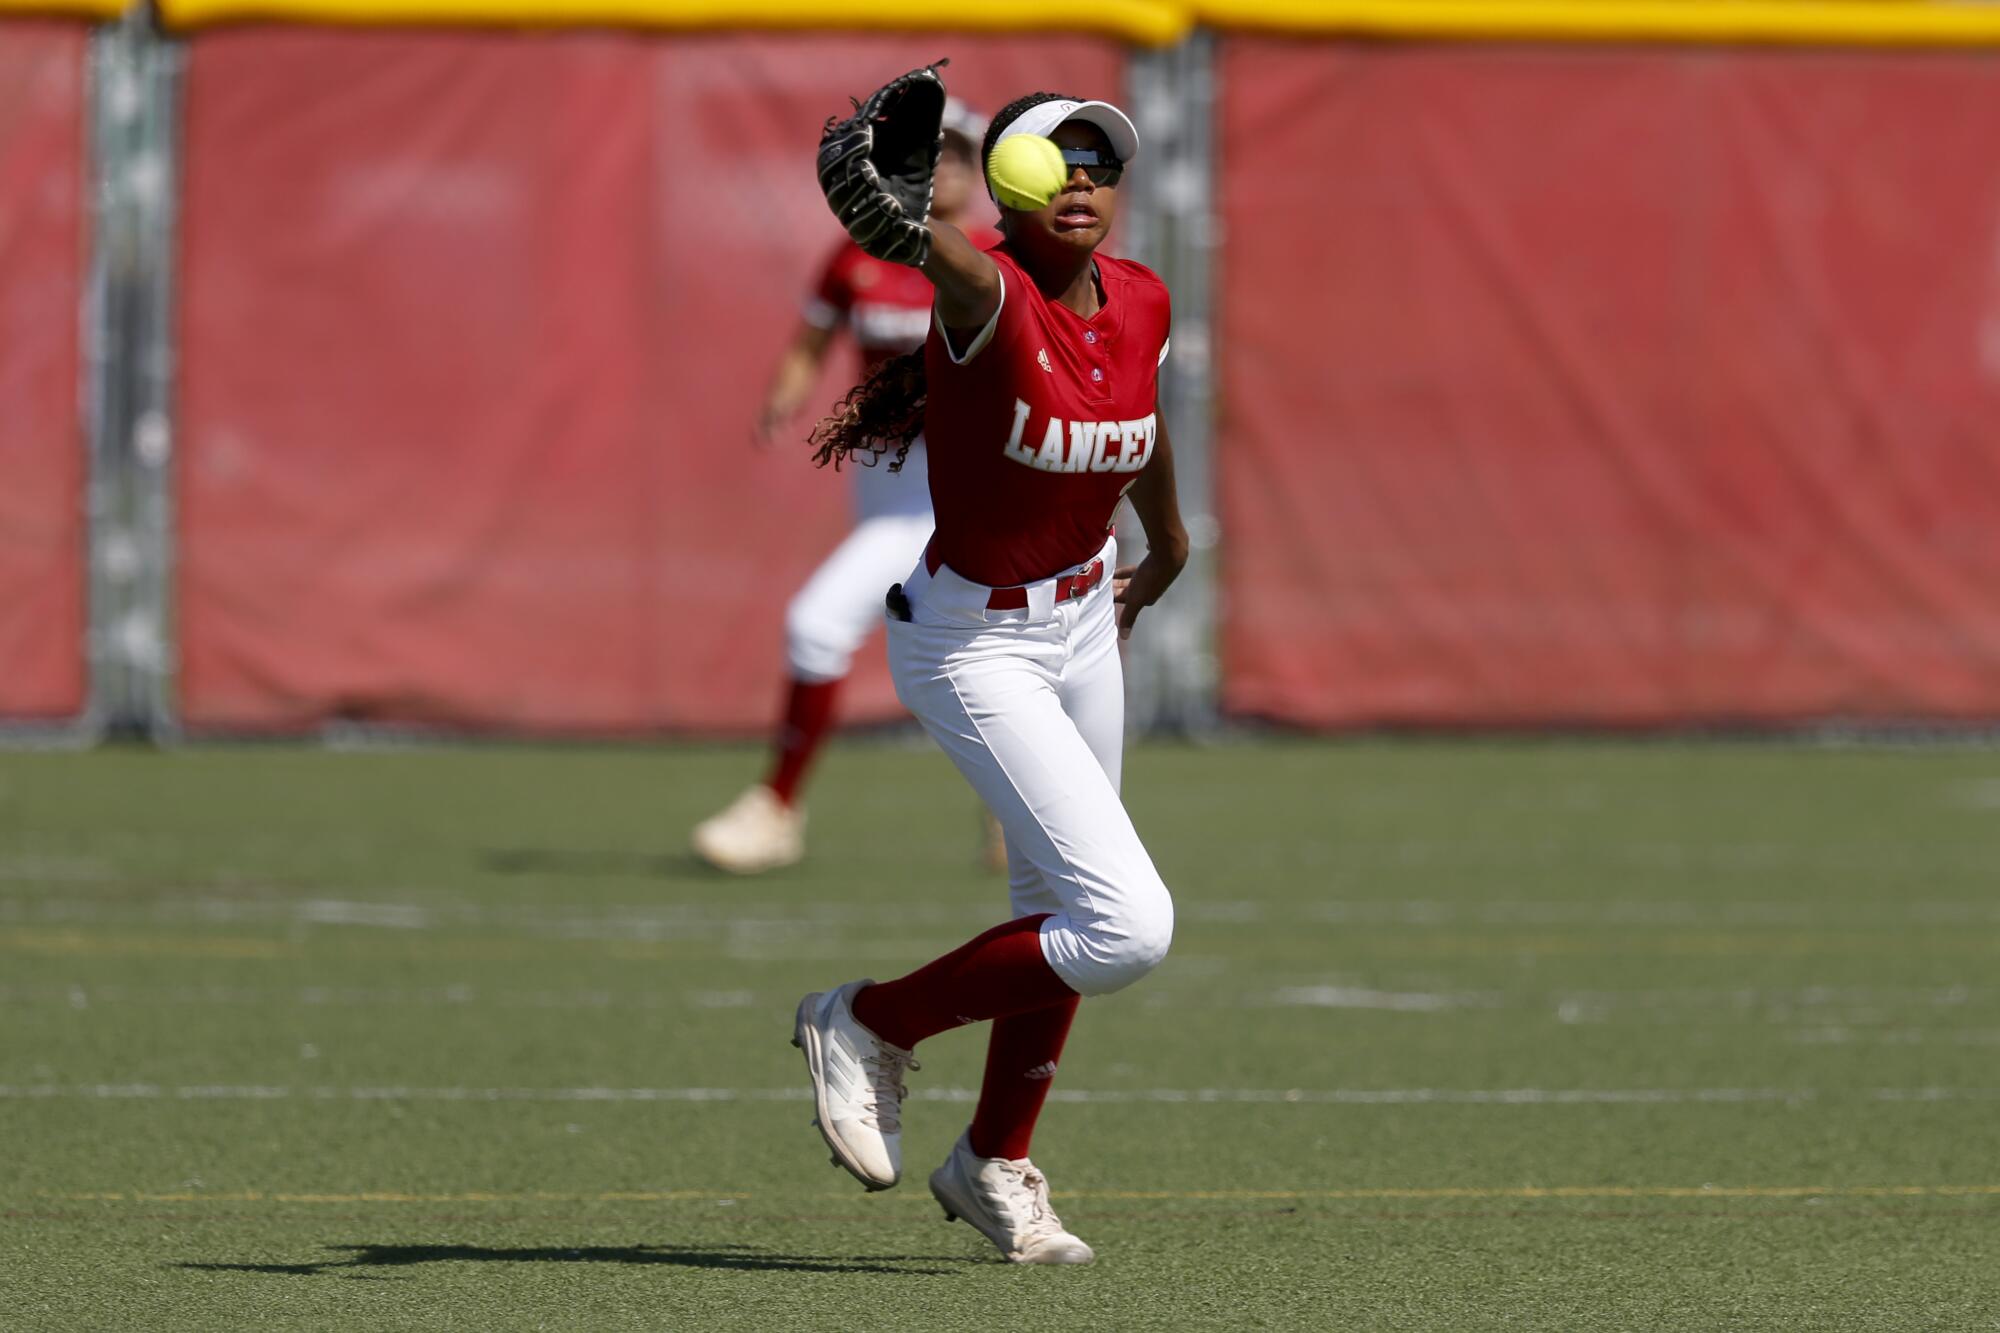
[1083, 446]
[1042, 360]
[1042, 1071]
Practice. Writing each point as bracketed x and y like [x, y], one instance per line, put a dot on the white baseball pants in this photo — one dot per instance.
[1030, 705]
[841, 603]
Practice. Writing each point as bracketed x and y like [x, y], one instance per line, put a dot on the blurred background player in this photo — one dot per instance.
[886, 310]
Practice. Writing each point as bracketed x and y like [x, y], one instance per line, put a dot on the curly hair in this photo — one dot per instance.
[885, 412]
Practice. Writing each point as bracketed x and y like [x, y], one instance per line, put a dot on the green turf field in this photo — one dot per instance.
[1455, 1036]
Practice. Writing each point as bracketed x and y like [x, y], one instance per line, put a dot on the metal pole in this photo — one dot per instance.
[107, 560]
[1171, 668]
[134, 122]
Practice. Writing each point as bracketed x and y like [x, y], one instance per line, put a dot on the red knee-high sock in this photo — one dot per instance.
[1020, 1065]
[1001, 972]
[808, 714]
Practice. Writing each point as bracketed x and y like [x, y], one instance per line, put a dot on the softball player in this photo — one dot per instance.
[1038, 391]
[885, 308]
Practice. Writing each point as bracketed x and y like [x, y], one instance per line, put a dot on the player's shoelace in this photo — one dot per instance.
[885, 1071]
[1024, 1200]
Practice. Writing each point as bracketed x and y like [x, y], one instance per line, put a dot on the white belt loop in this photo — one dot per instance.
[1042, 600]
[953, 595]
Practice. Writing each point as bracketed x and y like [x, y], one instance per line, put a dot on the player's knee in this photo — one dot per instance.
[1132, 942]
[814, 649]
[1152, 935]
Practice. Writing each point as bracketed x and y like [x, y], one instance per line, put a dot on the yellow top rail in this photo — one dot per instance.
[1140, 22]
[1882, 23]
[1870, 23]
[96, 9]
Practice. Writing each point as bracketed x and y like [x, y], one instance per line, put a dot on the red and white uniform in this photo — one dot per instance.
[885, 308]
[1010, 659]
[1049, 419]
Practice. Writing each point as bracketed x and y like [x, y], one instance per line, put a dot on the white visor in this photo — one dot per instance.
[1043, 118]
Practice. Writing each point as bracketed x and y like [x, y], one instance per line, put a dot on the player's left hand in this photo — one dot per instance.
[770, 424]
[1136, 587]
[876, 166]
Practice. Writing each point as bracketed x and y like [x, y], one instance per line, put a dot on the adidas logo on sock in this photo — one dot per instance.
[1042, 1071]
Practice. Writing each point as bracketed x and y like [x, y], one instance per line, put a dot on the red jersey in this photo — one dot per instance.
[886, 307]
[1049, 418]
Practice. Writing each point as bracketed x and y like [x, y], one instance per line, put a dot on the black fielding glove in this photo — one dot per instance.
[875, 167]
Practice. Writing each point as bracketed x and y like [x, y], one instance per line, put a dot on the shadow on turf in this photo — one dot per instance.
[745, 1258]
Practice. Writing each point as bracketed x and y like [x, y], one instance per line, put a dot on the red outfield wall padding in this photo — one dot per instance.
[475, 330]
[42, 543]
[1615, 388]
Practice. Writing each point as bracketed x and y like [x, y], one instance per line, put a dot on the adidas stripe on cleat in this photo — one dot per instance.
[857, 1083]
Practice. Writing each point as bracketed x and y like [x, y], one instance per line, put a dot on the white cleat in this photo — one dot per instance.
[1008, 1202]
[857, 1083]
[755, 833]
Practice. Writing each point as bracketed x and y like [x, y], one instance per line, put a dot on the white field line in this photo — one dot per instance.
[1361, 997]
[80, 996]
[1418, 1193]
[1748, 997]
[56, 870]
[1978, 793]
[668, 921]
[802, 945]
[1647, 912]
[1900, 1036]
[1167, 1096]
[643, 922]
[1830, 1009]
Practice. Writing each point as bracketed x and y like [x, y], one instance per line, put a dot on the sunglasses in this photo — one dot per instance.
[1102, 169]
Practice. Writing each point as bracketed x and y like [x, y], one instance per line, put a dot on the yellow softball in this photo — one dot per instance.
[1026, 171]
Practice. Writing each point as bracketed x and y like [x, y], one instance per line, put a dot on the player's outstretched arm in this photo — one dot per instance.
[797, 373]
[966, 278]
[1157, 502]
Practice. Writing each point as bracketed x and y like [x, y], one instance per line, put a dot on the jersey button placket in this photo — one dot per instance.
[1096, 357]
